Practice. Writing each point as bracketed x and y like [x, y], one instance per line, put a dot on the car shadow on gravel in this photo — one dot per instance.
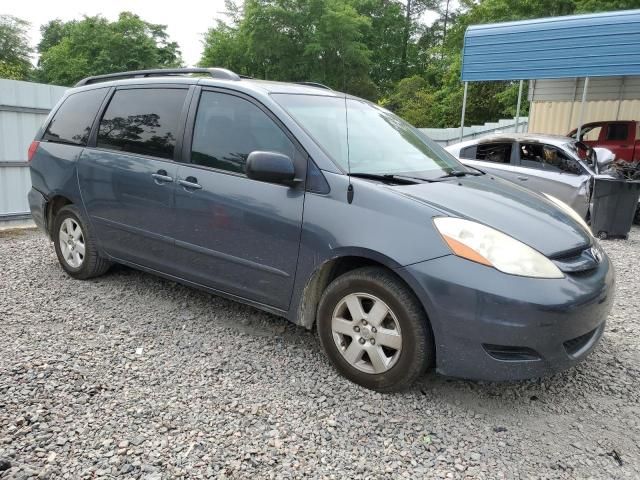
[14, 232]
[595, 374]
[477, 395]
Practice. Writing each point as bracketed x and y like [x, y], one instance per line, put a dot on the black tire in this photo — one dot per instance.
[636, 218]
[417, 352]
[93, 265]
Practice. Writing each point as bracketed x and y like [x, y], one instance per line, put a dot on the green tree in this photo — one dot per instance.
[380, 49]
[53, 32]
[592, 6]
[14, 48]
[412, 10]
[295, 40]
[385, 40]
[73, 50]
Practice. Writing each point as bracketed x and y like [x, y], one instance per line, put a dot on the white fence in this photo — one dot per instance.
[449, 136]
[23, 108]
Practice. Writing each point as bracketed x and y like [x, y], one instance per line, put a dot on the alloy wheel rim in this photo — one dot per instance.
[367, 333]
[72, 243]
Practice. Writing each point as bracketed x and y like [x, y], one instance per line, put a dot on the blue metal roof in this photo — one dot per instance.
[595, 45]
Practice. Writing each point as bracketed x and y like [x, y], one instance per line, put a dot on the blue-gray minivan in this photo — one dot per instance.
[327, 210]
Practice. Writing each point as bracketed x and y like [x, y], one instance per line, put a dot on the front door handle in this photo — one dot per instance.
[524, 179]
[190, 183]
[161, 177]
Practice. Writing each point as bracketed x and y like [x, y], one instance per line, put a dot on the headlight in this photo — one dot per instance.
[569, 211]
[482, 244]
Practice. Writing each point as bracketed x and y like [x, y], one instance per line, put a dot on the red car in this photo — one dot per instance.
[621, 137]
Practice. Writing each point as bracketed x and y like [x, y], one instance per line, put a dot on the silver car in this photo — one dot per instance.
[554, 165]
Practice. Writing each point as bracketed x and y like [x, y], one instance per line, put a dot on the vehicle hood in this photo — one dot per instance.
[509, 208]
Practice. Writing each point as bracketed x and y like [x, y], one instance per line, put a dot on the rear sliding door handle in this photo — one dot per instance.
[162, 177]
[524, 179]
[190, 183]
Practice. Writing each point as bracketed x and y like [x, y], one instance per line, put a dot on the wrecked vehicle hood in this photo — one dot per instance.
[516, 211]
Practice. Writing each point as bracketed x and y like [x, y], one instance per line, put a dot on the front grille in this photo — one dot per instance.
[574, 345]
[511, 353]
[576, 262]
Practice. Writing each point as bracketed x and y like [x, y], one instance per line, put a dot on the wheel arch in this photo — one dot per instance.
[54, 204]
[336, 266]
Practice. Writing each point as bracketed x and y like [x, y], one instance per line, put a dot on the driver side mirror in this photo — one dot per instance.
[271, 167]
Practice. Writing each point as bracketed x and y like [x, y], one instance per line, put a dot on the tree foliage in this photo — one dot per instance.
[309, 40]
[73, 50]
[14, 48]
[379, 49]
[438, 102]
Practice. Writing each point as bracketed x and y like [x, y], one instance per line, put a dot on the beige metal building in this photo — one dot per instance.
[555, 104]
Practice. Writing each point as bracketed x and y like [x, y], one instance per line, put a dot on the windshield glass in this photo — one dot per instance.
[379, 141]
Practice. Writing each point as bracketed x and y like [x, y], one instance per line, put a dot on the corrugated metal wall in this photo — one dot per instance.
[23, 108]
[555, 104]
[600, 88]
[562, 117]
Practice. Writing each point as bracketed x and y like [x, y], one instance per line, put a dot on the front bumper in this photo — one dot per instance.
[491, 326]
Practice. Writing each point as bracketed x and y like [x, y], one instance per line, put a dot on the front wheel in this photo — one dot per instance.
[75, 245]
[374, 330]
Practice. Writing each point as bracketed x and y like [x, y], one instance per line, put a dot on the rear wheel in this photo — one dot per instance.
[75, 245]
[374, 330]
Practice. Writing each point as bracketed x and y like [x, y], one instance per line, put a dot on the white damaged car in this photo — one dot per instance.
[554, 165]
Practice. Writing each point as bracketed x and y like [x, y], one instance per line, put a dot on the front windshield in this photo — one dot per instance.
[379, 142]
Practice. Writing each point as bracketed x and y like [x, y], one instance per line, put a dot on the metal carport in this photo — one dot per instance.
[594, 45]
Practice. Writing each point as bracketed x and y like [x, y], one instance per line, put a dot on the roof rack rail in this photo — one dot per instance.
[314, 84]
[221, 73]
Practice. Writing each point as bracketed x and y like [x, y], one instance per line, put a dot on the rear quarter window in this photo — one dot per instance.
[494, 152]
[72, 121]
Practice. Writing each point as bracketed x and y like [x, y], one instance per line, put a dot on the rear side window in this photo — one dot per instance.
[72, 122]
[494, 152]
[618, 131]
[142, 121]
[228, 128]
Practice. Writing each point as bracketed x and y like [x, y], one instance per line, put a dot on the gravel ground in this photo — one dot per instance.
[132, 376]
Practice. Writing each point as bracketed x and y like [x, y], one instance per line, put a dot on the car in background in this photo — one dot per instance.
[549, 164]
[621, 137]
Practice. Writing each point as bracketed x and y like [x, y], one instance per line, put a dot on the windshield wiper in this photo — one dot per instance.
[411, 180]
[458, 174]
[389, 177]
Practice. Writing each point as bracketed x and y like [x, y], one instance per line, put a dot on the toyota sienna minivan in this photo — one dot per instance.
[327, 210]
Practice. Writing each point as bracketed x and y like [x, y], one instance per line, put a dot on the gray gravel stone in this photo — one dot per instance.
[222, 390]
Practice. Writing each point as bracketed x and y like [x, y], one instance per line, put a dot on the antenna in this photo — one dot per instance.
[346, 121]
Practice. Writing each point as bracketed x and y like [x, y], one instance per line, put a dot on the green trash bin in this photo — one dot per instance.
[613, 207]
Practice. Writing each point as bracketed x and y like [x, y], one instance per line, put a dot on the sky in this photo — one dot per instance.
[186, 20]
